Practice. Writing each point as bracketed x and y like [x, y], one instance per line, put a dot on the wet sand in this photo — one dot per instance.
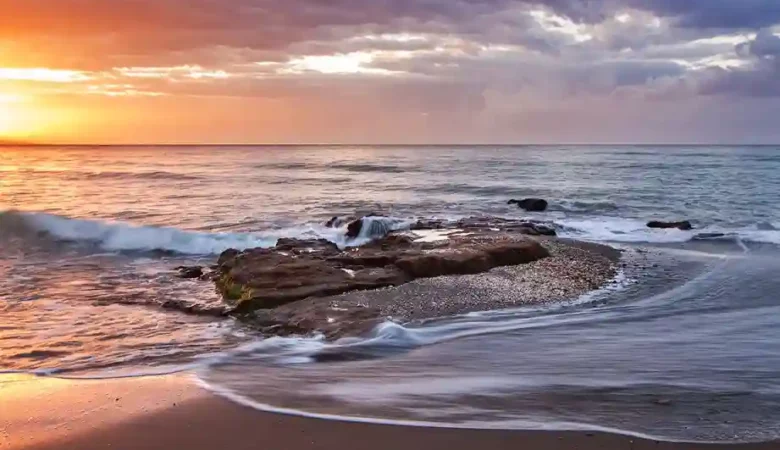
[172, 413]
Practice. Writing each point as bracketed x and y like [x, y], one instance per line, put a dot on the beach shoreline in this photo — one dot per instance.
[172, 412]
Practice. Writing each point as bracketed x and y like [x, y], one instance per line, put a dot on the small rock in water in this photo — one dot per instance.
[190, 272]
[531, 204]
[663, 402]
[684, 225]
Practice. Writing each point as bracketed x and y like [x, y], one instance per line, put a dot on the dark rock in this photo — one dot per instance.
[354, 228]
[531, 204]
[684, 225]
[190, 272]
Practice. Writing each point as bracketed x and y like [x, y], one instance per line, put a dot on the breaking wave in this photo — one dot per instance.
[120, 236]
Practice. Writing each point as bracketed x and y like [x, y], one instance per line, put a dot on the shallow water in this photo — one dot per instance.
[686, 350]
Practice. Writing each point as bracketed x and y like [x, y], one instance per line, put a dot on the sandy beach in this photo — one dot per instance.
[171, 412]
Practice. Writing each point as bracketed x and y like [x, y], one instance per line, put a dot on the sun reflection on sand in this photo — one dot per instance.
[38, 409]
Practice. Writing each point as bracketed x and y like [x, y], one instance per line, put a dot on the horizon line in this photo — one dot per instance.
[573, 144]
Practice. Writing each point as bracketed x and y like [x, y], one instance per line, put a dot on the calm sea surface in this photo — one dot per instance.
[688, 350]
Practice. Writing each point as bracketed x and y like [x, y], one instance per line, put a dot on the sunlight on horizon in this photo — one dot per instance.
[8, 124]
[26, 118]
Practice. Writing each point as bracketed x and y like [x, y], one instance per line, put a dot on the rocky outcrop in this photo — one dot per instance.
[573, 269]
[684, 225]
[299, 269]
[531, 204]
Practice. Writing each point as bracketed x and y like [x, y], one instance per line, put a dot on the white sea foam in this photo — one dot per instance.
[118, 236]
[517, 424]
[617, 229]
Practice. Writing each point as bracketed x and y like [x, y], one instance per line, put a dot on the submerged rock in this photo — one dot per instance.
[684, 225]
[531, 204]
[295, 269]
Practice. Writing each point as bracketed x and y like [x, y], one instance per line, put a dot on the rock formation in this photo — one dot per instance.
[298, 269]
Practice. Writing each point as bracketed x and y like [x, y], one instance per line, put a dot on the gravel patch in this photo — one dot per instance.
[573, 269]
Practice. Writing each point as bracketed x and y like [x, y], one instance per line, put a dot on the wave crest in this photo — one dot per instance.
[118, 236]
[121, 236]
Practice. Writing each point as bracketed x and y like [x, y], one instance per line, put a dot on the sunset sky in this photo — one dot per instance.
[390, 71]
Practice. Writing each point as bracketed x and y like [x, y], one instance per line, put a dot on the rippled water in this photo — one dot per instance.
[686, 349]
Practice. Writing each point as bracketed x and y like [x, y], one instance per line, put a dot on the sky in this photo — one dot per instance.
[390, 71]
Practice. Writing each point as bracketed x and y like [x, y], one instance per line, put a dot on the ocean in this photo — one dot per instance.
[687, 350]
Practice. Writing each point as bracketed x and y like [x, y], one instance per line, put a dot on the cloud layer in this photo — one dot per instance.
[408, 70]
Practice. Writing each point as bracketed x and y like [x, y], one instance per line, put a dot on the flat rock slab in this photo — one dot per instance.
[294, 270]
[572, 270]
